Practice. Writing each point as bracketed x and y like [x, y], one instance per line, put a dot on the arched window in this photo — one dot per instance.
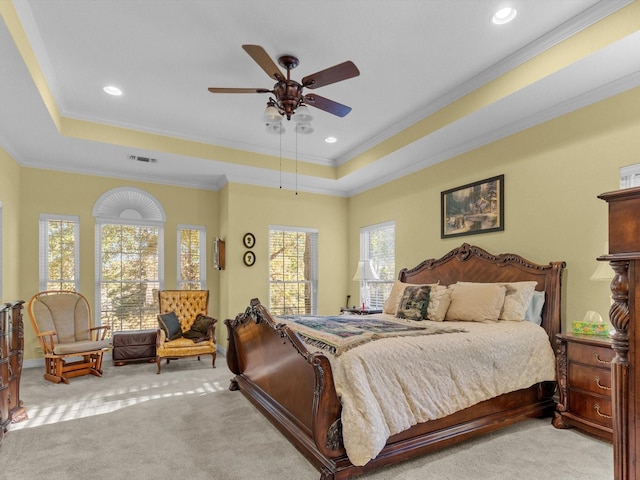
[129, 258]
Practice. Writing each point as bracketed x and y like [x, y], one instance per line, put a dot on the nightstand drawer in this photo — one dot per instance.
[591, 407]
[592, 379]
[590, 354]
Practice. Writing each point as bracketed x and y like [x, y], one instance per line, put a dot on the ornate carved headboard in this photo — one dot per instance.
[468, 263]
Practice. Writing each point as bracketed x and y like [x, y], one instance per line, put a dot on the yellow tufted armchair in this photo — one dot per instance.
[178, 335]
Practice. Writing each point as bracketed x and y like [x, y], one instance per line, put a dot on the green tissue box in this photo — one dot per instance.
[591, 328]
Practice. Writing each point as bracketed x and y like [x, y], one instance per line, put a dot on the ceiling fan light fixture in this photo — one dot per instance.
[271, 114]
[304, 128]
[302, 114]
[274, 128]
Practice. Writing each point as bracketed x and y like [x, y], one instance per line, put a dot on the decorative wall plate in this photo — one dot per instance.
[249, 240]
[249, 258]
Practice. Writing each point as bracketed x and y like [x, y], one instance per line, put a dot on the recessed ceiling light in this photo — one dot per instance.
[111, 90]
[331, 139]
[504, 15]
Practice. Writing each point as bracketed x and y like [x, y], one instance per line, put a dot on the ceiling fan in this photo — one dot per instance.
[288, 93]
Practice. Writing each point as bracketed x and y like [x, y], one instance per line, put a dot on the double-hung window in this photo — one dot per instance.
[129, 263]
[377, 250]
[191, 257]
[293, 279]
[59, 252]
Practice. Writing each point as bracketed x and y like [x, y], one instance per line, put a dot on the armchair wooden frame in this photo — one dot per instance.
[89, 343]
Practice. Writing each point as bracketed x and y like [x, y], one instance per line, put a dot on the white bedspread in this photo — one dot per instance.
[391, 384]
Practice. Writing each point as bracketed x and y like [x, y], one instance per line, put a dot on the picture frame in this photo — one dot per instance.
[249, 258]
[249, 240]
[473, 208]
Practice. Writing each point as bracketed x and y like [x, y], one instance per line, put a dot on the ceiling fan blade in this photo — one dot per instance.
[239, 90]
[262, 58]
[334, 74]
[325, 104]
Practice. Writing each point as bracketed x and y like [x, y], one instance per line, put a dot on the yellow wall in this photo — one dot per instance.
[72, 194]
[254, 209]
[10, 178]
[553, 174]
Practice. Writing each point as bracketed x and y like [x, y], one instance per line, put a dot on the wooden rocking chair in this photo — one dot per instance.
[62, 322]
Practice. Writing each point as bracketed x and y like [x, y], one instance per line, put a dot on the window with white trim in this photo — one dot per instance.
[59, 240]
[293, 266]
[378, 249]
[191, 257]
[129, 259]
[630, 176]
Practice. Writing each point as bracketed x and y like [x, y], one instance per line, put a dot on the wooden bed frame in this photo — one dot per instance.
[294, 388]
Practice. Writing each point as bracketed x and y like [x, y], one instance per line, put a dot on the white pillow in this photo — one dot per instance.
[478, 302]
[516, 300]
[439, 302]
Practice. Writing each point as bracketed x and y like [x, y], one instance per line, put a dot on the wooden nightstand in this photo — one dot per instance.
[584, 383]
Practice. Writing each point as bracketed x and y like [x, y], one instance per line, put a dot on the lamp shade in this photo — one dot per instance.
[304, 128]
[365, 271]
[604, 272]
[302, 115]
[275, 128]
[271, 114]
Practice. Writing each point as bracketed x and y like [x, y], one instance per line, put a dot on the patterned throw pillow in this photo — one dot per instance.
[414, 302]
[391, 305]
[171, 325]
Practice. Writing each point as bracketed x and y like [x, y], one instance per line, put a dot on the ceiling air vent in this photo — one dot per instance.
[142, 159]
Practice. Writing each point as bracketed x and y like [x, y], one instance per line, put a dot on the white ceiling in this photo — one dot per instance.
[415, 57]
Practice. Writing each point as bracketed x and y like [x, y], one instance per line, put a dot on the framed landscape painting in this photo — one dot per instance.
[473, 208]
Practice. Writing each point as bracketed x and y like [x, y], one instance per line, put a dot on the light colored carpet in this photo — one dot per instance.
[185, 423]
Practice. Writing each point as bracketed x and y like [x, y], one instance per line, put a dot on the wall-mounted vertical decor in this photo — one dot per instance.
[218, 254]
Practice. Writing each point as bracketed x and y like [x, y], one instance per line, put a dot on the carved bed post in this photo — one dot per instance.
[619, 317]
[624, 258]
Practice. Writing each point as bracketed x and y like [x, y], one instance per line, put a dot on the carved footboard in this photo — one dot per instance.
[266, 366]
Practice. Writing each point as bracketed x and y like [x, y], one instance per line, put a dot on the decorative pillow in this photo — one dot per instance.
[479, 302]
[200, 329]
[414, 302]
[516, 299]
[171, 325]
[439, 300]
[534, 310]
[391, 305]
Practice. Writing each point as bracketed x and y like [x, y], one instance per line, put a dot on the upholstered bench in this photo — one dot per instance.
[132, 346]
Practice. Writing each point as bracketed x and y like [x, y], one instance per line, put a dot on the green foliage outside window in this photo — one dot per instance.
[292, 272]
[129, 277]
[60, 271]
[190, 247]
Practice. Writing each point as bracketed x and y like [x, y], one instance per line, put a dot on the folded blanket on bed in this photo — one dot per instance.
[339, 334]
